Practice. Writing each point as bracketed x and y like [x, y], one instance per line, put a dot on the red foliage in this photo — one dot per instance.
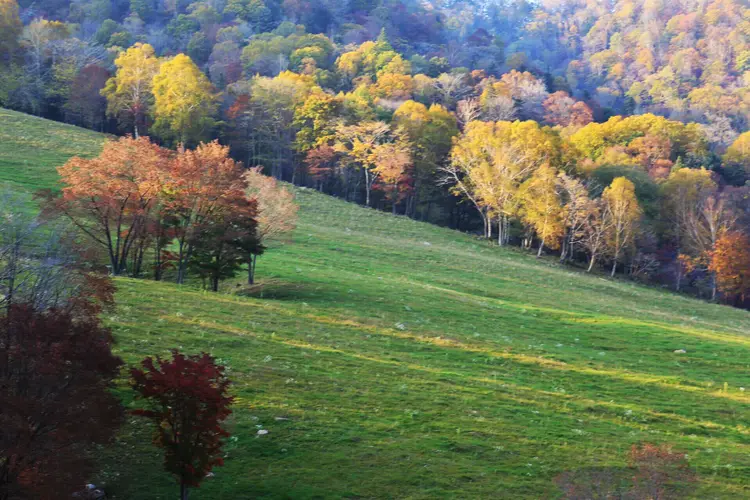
[659, 471]
[321, 163]
[56, 372]
[188, 402]
[86, 103]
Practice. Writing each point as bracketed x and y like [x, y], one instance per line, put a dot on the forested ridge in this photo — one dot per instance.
[611, 133]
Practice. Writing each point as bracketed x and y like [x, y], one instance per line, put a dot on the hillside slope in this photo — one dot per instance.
[390, 358]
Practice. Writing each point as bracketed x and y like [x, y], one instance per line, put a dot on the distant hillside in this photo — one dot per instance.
[389, 358]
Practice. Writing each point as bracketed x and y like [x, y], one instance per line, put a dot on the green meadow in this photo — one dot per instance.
[389, 358]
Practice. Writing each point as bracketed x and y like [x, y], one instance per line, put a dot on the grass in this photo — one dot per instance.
[390, 358]
[31, 147]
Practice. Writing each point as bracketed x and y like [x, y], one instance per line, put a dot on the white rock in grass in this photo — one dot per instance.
[262, 432]
[680, 351]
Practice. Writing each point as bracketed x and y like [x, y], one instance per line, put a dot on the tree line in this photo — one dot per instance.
[474, 147]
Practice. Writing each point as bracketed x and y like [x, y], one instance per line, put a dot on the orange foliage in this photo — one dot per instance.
[730, 261]
[116, 191]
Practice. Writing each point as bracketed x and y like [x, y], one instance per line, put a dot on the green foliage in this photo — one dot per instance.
[105, 31]
[199, 48]
[10, 29]
[255, 12]
[646, 190]
[143, 8]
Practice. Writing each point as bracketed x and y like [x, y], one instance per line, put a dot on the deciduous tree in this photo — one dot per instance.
[110, 197]
[490, 161]
[56, 379]
[358, 143]
[187, 399]
[185, 102]
[542, 208]
[129, 93]
[277, 211]
[10, 29]
[203, 183]
[730, 262]
[623, 212]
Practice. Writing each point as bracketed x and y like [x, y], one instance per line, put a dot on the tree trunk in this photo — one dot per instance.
[184, 490]
[367, 187]
[251, 269]
[614, 268]
[541, 247]
[591, 263]
[713, 286]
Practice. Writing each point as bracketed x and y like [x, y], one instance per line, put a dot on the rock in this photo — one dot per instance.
[282, 419]
[680, 351]
[262, 432]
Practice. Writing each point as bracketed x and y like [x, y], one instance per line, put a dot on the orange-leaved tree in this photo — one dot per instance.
[111, 197]
[202, 183]
[730, 263]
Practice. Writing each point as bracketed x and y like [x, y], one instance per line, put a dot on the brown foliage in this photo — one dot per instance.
[730, 261]
[659, 472]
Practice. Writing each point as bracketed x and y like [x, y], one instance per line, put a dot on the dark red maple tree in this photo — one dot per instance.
[56, 375]
[187, 401]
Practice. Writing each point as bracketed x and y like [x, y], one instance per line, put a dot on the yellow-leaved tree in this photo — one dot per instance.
[689, 196]
[490, 161]
[623, 213]
[542, 208]
[129, 94]
[185, 101]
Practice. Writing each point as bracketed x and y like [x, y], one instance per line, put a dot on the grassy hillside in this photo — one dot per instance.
[390, 358]
[30, 147]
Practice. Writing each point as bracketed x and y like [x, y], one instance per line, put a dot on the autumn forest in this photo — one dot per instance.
[607, 141]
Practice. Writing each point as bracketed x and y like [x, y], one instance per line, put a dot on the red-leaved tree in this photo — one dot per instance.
[56, 375]
[187, 401]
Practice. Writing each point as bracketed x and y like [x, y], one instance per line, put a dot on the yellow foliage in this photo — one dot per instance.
[185, 102]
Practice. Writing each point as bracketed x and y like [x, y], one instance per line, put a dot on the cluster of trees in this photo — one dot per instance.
[153, 209]
[481, 115]
[58, 372]
[685, 59]
[617, 192]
